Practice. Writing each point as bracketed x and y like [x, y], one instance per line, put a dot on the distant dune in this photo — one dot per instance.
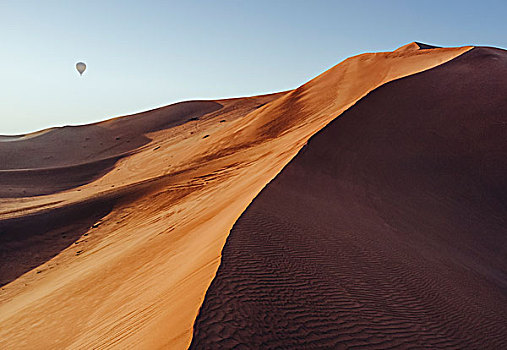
[387, 228]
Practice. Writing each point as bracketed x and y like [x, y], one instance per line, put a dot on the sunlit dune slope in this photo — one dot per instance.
[120, 228]
[389, 229]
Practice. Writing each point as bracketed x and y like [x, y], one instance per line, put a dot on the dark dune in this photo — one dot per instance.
[389, 229]
[70, 156]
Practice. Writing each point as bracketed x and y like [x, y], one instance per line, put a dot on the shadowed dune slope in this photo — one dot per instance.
[166, 188]
[389, 229]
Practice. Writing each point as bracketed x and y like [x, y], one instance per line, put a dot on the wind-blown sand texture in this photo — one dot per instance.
[165, 188]
[387, 230]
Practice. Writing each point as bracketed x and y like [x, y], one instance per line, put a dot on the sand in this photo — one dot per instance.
[163, 190]
[389, 229]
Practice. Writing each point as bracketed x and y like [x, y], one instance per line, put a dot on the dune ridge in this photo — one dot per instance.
[388, 230]
[138, 277]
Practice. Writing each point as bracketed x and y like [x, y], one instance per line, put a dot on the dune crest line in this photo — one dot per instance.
[139, 276]
[387, 230]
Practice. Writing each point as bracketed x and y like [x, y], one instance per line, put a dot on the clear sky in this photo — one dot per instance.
[146, 54]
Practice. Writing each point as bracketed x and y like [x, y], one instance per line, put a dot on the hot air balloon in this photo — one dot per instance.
[81, 67]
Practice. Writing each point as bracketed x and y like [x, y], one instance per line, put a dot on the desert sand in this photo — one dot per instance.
[387, 230]
[111, 233]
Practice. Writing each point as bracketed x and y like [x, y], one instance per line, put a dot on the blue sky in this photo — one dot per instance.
[145, 54]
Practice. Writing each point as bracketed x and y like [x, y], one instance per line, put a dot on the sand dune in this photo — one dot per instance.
[67, 157]
[164, 188]
[387, 230]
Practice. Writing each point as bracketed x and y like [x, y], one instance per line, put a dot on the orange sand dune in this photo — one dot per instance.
[388, 230]
[112, 232]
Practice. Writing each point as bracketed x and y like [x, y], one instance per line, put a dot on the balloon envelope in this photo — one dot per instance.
[80, 66]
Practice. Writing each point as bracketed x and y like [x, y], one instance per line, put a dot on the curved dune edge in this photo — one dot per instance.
[387, 230]
[143, 273]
